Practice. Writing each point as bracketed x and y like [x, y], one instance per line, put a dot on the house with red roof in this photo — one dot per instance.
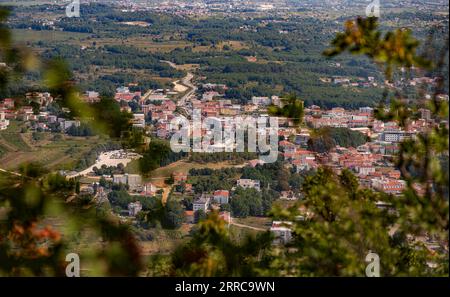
[221, 196]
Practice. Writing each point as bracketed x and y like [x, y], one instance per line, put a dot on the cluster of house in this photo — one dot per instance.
[38, 119]
[157, 107]
[207, 202]
[362, 120]
[345, 81]
[124, 94]
[371, 162]
[368, 162]
[161, 115]
[296, 155]
[373, 170]
[211, 201]
[136, 187]
[6, 107]
[315, 117]
[135, 184]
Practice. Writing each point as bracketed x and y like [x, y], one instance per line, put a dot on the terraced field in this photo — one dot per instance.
[17, 148]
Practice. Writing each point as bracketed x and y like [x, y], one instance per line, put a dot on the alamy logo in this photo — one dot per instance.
[373, 266]
[73, 268]
[373, 9]
[73, 9]
[212, 135]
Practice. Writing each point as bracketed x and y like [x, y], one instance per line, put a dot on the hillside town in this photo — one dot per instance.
[213, 139]
[371, 161]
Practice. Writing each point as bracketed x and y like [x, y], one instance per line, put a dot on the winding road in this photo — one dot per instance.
[186, 81]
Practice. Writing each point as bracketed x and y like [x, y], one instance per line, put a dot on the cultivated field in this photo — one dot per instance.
[54, 153]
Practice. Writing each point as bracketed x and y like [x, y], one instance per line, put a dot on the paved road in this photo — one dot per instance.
[187, 81]
[10, 172]
[105, 158]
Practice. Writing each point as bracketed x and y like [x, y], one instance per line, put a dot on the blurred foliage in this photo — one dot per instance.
[17, 59]
[151, 159]
[293, 109]
[30, 198]
[393, 49]
[425, 211]
[30, 246]
[340, 225]
[326, 138]
[211, 252]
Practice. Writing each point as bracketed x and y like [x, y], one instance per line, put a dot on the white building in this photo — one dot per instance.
[249, 183]
[276, 100]
[134, 181]
[134, 208]
[91, 96]
[202, 203]
[368, 110]
[395, 136]
[123, 90]
[221, 196]
[138, 120]
[282, 231]
[4, 123]
[365, 170]
[65, 124]
[261, 100]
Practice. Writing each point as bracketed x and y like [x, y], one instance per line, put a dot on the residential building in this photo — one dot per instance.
[4, 123]
[149, 189]
[249, 183]
[221, 196]
[282, 231]
[91, 96]
[66, 124]
[395, 136]
[261, 100]
[8, 103]
[134, 208]
[288, 195]
[388, 185]
[189, 217]
[226, 216]
[179, 177]
[202, 203]
[138, 120]
[133, 181]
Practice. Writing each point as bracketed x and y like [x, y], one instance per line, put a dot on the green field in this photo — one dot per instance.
[25, 35]
[257, 222]
[85, 39]
[17, 148]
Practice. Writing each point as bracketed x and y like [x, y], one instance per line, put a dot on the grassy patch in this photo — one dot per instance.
[17, 148]
[132, 167]
[159, 175]
[257, 222]
[239, 234]
[12, 138]
[3, 150]
[26, 35]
